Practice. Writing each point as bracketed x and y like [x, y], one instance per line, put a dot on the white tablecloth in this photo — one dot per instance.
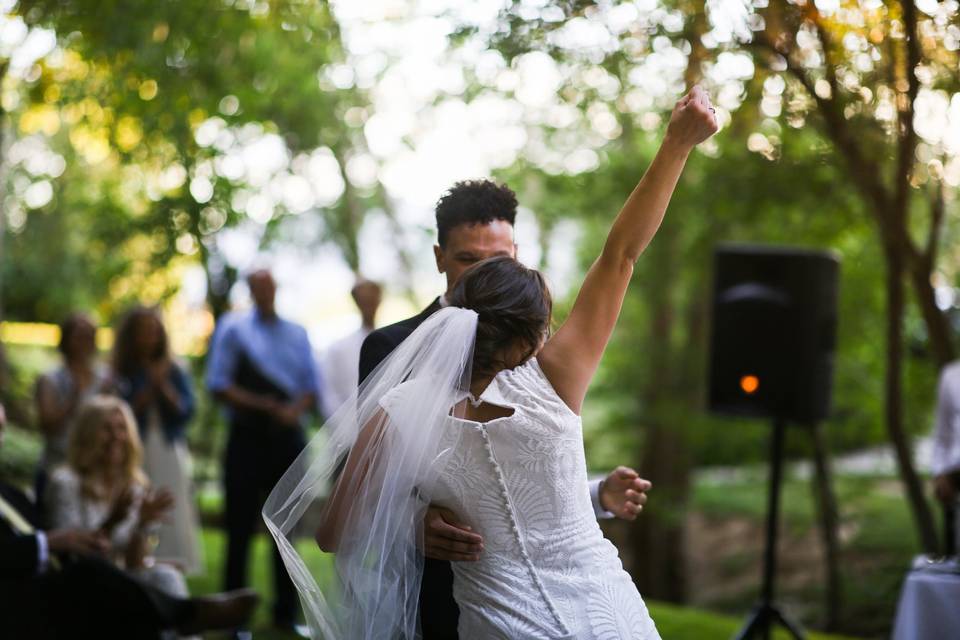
[929, 607]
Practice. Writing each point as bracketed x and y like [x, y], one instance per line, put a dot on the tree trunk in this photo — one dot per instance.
[658, 537]
[349, 216]
[938, 327]
[206, 440]
[220, 277]
[890, 209]
[4, 65]
[893, 400]
[829, 523]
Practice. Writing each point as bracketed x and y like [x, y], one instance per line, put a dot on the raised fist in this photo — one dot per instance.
[693, 119]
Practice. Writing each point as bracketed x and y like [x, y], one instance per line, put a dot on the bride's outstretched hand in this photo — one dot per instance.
[446, 538]
[693, 119]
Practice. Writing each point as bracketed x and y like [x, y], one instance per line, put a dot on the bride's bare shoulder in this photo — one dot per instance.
[562, 374]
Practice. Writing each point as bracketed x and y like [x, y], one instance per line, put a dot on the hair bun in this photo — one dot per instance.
[513, 306]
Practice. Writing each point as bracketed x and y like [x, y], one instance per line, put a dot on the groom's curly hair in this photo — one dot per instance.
[474, 202]
[514, 306]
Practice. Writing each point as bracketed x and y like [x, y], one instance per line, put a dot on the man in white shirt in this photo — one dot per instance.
[946, 451]
[342, 360]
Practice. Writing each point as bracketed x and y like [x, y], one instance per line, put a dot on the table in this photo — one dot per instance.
[929, 607]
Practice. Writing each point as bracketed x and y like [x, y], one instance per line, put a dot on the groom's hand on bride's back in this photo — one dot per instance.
[623, 493]
[445, 537]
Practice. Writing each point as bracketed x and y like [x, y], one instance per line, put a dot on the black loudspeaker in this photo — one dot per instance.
[774, 332]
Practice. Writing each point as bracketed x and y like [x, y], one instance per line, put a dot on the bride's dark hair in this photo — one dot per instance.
[514, 307]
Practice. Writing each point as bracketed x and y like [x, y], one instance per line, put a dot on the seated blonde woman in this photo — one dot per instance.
[102, 488]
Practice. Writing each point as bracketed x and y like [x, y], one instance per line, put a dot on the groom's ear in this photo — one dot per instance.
[438, 255]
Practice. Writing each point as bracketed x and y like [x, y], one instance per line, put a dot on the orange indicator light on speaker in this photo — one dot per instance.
[749, 384]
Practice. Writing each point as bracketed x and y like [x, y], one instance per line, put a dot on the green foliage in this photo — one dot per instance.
[21, 450]
[261, 573]
[796, 199]
[783, 170]
[64, 258]
[121, 102]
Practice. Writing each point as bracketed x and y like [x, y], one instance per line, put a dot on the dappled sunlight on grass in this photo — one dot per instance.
[261, 573]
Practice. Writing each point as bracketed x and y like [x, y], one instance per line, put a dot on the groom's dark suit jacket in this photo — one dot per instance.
[84, 598]
[381, 342]
[438, 609]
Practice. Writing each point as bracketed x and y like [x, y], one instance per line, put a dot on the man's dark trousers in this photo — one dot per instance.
[259, 451]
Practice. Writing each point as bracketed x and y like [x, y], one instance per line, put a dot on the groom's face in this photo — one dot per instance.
[468, 244]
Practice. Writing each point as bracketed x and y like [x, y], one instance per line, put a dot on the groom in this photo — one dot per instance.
[474, 222]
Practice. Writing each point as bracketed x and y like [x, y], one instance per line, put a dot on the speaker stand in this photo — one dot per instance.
[767, 615]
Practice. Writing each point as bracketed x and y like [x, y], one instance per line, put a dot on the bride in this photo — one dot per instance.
[478, 411]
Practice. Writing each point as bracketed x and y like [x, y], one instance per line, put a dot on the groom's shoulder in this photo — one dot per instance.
[381, 342]
[397, 332]
[400, 331]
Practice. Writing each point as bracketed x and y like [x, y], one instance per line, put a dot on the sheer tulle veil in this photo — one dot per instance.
[363, 485]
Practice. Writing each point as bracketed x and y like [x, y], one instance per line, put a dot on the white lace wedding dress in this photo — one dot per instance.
[521, 482]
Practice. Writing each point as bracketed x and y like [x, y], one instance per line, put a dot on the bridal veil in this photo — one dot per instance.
[362, 485]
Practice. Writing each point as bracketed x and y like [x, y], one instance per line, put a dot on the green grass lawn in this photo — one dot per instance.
[674, 623]
[681, 623]
[261, 573]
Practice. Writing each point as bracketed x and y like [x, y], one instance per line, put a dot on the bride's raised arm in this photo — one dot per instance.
[570, 357]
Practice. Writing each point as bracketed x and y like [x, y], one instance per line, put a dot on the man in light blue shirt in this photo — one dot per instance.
[262, 369]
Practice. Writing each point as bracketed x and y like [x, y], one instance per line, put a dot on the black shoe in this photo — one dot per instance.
[220, 611]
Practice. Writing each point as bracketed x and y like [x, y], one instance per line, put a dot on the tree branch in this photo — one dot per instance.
[351, 213]
[937, 210]
[830, 66]
[906, 133]
[696, 25]
[865, 172]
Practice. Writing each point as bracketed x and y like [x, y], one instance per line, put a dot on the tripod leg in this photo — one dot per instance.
[792, 627]
[749, 627]
[757, 623]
